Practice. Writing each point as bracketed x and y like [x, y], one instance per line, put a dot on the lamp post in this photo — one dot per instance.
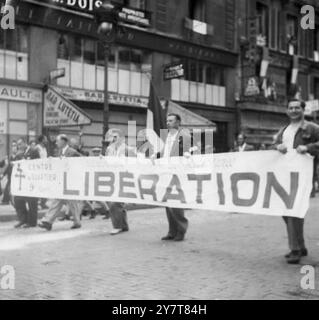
[107, 19]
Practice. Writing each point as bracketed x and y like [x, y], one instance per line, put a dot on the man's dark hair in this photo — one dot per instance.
[177, 116]
[41, 138]
[302, 103]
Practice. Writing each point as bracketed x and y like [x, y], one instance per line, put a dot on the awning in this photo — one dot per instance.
[189, 118]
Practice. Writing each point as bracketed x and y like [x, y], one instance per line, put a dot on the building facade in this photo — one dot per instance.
[279, 60]
[199, 35]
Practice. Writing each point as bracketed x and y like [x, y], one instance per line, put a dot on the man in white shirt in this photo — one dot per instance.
[302, 136]
[177, 143]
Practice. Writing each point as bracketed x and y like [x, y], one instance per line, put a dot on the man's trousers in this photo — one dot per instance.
[27, 215]
[177, 222]
[55, 207]
[118, 216]
[295, 233]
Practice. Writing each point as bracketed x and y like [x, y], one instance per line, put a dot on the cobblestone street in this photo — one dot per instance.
[226, 256]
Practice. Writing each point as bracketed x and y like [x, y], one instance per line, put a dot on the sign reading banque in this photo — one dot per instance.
[61, 112]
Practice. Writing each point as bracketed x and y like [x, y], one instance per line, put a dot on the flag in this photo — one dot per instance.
[156, 120]
[295, 70]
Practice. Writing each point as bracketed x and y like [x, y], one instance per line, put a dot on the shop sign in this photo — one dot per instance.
[174, 71]
[60, 112]
[252, 88]
[98, 97]
[311, 106]
[134, 16]
[20, 94]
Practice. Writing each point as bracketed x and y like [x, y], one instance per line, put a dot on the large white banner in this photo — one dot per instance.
[263, 182]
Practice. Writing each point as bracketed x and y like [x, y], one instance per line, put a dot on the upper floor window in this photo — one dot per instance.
[204, 73]
[137, 4]
[197, 10]
[262, 21]
[84, 61]
[292, 34]
[14, 47]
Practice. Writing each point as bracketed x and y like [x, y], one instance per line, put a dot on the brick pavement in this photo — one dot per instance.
[226, 256]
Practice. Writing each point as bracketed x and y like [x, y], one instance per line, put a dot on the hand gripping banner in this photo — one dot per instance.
[266, 182]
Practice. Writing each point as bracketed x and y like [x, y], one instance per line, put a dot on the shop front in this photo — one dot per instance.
[123, 109]
[20, 114]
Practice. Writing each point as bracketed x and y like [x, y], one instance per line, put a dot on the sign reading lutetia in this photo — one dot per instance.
[61, 112]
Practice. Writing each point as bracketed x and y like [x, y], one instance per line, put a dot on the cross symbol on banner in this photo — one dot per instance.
[20, 176]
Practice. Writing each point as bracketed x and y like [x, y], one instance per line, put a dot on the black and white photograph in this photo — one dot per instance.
[156, 151]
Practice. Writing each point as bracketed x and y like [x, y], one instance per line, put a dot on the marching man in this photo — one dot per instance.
[56, 205]
[302, 136]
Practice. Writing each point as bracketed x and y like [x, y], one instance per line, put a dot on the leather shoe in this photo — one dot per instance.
[179, 237]
[303, 253]
[294, 258]
[19, 225]
[45, 225]
[167, 238]
[76, 226]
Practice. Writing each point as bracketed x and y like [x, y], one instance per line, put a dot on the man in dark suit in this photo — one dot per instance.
[302, 136]
[27, 216]
[178, 142]
[242, 145]
[75, 206]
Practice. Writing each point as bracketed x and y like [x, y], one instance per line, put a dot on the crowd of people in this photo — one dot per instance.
[301, 135]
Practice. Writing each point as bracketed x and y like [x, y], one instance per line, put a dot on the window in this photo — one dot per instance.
[204, 73]
[197, 10]
[262, 21]
[14, 47]
[84, 60]
[292, 34]
[138, 4]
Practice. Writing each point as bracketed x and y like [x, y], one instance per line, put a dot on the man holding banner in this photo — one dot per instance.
[304, 137]
[178, 142]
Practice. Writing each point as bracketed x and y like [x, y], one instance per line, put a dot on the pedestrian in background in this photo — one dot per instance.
[42, 149]
[75, 206]
[7, 173]
[26, 207]
[241, 144]
[303, 136]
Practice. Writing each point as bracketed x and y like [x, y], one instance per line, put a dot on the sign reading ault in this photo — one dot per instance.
[61, 112]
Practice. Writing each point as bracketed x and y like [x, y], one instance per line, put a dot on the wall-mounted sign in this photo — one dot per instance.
[80, 5]
[252, 88]
[98, 97]
[60, 112]
[135, 16]
[311, 106]
[174, 71]
[20, 94]
[58, 73]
